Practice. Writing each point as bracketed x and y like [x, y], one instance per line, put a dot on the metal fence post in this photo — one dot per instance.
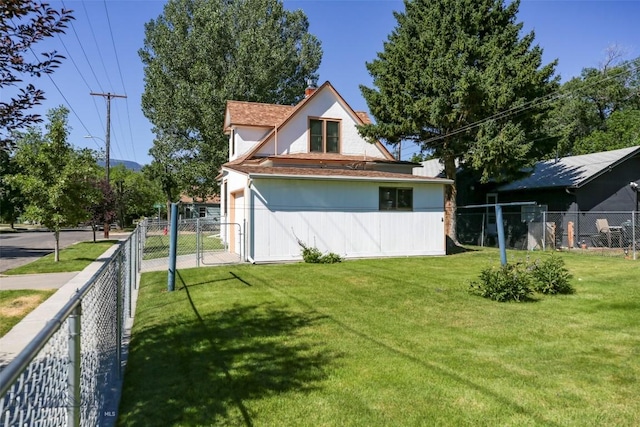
[74, 373]
[634, 231]
[119, 309]
[198, 243]
[544, 231]
[130, 278]
[173, 242]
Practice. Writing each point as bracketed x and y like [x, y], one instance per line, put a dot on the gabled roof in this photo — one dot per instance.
[243, 113]
[285, 114]
[573, 171]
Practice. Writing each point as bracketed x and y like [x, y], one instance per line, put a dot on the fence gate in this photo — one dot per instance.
[219, 242]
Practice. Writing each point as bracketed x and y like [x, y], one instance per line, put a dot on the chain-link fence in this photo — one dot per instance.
[606, 233]
[71, 372]
[200, 242]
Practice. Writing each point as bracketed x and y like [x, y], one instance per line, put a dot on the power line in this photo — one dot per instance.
[108, 97]
[104, 67]
[560, 93]
[106, 11]
[82, 77]
[73, 28]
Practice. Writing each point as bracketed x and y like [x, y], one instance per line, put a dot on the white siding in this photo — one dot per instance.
[235, 182]
[293, 137]
[245, 139]
[341, 217]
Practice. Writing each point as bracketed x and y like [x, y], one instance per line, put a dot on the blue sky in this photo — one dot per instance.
[101, 50]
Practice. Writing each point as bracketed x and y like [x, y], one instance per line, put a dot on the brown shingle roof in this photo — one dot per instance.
[325, 156]
[210, 199]
[256, 114]
[364, 117]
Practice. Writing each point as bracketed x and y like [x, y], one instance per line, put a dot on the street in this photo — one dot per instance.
[17, 249]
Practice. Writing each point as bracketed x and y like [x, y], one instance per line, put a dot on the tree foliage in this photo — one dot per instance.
[101, 209]
[134, 194]
[599, 110]
[11, 199]
[23, 23]
[448, 72]
[54, 177]
[200, 53]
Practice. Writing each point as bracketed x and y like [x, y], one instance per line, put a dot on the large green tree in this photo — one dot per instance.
[200, 53]
[598, 111]
[134, 194]
[459, 79]
[54, 177]
[11, 199]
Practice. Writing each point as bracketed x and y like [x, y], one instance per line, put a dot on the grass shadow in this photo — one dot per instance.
[206, 368]
[454, 248]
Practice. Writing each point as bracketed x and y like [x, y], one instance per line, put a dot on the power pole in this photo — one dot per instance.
[107, 143]
[108, 135]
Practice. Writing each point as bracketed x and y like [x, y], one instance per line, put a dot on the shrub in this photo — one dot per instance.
[551, 277]
[313, 255]
[511, 282]
[330, 258]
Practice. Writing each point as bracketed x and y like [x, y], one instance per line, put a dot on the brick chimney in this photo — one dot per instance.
[311, 87]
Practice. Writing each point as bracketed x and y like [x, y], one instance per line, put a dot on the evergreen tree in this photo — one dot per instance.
[448, 72]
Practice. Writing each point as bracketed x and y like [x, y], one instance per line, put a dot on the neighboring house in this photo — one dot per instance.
[192, 208]
[595, 185]
[304, 173]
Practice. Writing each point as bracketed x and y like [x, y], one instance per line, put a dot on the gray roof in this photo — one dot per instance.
[573, 171]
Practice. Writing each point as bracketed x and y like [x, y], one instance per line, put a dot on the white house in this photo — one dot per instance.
[303, 172]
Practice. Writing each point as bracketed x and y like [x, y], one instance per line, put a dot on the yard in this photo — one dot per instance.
[157, 245]
[397, 342]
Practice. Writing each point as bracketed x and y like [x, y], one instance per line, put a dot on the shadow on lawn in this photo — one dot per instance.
[202, 372]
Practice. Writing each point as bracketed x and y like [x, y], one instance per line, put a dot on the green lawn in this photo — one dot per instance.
[16, 304]
[393, 342]
[73, 258]
[157, 246]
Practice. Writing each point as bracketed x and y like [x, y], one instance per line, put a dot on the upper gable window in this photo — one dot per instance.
[324, 136]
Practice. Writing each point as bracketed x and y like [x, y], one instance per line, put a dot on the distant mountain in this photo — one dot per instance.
[136, 167]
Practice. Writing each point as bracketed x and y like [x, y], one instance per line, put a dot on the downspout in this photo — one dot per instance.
[248, 224]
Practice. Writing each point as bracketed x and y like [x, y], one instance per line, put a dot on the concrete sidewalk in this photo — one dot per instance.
[36, 281]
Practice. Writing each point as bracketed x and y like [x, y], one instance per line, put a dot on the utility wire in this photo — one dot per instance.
[560, 93]
[115, 50]
[73, 28]
[83, 79]
[61, 94]
[95, 40]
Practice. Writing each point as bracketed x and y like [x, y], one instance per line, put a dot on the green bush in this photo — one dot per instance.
[313, 255]
[551, 277]
[511, 282]
[330, 258]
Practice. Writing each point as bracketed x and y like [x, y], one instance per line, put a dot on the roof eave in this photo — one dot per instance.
[254, 175]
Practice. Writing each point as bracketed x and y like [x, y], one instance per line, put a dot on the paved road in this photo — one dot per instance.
[17, 249]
